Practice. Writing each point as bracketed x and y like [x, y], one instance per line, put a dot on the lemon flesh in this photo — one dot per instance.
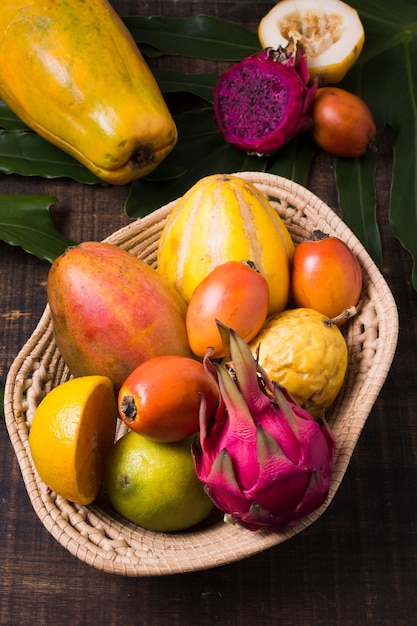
[331, 32]
[71, 434]
[154, 484]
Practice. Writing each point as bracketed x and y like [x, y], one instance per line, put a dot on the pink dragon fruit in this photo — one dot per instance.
[265, 462]
[262, 102]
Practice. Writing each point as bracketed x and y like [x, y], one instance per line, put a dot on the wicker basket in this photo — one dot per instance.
[96, 534]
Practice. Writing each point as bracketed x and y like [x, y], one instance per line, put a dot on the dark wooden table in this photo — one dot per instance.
[356, 565]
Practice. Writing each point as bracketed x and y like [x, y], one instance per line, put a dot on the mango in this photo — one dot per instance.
[112, 311]
[73, 73]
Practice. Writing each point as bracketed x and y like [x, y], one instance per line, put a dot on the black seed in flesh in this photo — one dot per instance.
[252, 102]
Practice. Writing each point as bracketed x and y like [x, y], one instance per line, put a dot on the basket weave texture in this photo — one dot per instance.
[96, 534]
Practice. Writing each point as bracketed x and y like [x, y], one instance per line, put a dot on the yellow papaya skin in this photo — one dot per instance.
[112, 311]
[72, 72]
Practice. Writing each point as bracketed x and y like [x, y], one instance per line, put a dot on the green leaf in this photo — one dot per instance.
[197, 36]
[385, 76]
[200, 85]
[357, 201]
[9, 120]
[25, 221]
[293, 161]
[26, 153]
[355, 179]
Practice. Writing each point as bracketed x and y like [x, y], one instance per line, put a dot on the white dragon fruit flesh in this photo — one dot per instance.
[263, 101]
[265, 462]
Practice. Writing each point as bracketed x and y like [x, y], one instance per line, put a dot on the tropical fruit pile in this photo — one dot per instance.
[220, 364]
[288, 87]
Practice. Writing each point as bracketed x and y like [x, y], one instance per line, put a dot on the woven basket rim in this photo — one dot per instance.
[100, 538]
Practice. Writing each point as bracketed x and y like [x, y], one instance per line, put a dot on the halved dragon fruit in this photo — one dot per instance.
[262, 102]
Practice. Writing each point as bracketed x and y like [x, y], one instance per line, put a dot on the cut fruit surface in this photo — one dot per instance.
[72, 433]
[331, 32]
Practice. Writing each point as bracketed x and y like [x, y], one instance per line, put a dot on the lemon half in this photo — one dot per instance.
[331, 32]
[72, 433]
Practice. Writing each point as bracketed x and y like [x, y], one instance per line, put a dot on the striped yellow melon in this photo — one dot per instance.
[225, 218]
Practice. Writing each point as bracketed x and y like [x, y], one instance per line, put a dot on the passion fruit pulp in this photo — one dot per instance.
[331, 32]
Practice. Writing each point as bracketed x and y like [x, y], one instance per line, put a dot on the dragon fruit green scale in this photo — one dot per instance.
[263, 101]
[265, 461]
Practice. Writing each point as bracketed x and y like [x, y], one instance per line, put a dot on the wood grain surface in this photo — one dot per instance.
[356, 565]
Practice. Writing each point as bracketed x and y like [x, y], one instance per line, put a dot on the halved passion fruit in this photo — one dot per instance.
[331, 32]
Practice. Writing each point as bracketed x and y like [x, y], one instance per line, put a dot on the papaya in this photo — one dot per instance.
[73, 73]
[111, 311]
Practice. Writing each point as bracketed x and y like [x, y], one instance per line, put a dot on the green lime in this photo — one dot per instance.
[154, 484]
